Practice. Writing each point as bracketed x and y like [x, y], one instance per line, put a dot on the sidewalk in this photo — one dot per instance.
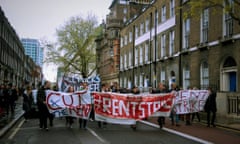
[221, 134]
[7, 121]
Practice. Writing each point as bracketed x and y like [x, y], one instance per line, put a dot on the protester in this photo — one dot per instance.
[69, 119]
[103, 89]
[135, 90]
[161, 89]
[85, 99]
[188, 115]
[27, 102]
[174, 116]
[42, 106]
[211, 107]
[9, 99]
[2, 105]
[195, 113]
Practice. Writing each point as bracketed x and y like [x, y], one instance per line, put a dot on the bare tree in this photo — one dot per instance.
[75, 50]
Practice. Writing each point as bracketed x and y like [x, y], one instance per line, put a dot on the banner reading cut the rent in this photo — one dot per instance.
[69, 104]
[127, 108]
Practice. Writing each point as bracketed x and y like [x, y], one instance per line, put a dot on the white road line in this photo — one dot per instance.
[16, 130]
[97, 136]
[177, 133]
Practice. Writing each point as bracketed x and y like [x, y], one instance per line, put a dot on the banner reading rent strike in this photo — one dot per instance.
[127, 108]
[189, 101]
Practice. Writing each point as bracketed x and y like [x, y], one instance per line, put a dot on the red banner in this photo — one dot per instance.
[126, 108]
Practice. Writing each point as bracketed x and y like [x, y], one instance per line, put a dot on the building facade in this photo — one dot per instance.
[33, 49]
[159, 45]
[108, 42]
[149, 52]
[12, 55]
[15, 66]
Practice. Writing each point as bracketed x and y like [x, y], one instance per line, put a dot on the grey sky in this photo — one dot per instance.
[40, 18]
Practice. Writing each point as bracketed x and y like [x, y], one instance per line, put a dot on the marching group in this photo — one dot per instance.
[210, 106]
[9, 94]
[43, 112]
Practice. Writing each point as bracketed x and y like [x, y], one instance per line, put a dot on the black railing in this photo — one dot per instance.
[233, 104]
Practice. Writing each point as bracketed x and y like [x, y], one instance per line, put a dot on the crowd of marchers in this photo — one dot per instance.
[9, 94]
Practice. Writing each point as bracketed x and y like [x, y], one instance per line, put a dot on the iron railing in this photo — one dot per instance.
[233, 104]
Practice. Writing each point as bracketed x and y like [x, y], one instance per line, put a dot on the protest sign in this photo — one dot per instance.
[190, 101]
[68, 104]
[127, 108]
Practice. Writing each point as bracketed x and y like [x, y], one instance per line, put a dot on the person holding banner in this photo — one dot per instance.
[27, 102]
[135, 90]
[211, 107]
[103, 89]
[85, 99]
[174, 116]
[69, 119]
[42, 106]
[161, 89]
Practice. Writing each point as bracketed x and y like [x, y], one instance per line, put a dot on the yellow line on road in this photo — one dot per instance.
[16, 130]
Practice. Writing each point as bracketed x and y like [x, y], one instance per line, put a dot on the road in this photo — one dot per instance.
[29, 133]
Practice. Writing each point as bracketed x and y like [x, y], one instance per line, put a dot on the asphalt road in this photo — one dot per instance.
[29, 133]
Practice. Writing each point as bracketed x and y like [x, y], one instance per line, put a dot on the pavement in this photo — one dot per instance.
[196, 129]
[8, 121]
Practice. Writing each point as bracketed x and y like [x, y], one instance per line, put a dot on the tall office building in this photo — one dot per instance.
[34, 50]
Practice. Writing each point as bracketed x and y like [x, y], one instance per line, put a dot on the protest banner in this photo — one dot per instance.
[190, 101]
[127, 108]
[68, 104]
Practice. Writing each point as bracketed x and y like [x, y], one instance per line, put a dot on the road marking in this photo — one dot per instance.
[97, 136]
[16, 130]
[176, 132]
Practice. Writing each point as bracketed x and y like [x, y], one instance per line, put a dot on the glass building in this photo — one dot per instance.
[34, 50]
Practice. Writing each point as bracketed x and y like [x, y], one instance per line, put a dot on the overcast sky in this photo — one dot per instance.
[40, 18]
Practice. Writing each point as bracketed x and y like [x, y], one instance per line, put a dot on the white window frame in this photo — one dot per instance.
[163, 45]
[136, 31]
[172, 8]
[163, 75]
[136, 56]
[171, 42]
[125, 60]
[121, 42]
[121, 62]
[135, 80]
[186, 33]
[146, 52]
[130, 59]
[147, 25]
[204, 75]
[186, 77]
[163, 13]
[204, 25]
[141, 29]
[125, 39]
[140, 55]
[130, 37]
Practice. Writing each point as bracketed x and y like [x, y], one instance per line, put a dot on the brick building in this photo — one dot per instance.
[159, 45]
[108, 43]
